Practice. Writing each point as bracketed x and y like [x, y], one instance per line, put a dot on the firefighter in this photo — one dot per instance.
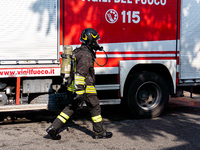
[82, 87]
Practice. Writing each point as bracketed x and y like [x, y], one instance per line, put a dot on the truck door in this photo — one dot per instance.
[190, 42]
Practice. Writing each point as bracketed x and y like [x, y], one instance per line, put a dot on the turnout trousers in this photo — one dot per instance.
[94, 108]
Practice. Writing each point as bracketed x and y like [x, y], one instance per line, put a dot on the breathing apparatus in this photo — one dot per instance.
[101, 49]
[66, 62]
[88, 36]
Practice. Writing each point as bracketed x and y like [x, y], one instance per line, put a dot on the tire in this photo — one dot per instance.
[147, 95]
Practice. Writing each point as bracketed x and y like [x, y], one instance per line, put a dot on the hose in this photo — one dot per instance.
[106, 59]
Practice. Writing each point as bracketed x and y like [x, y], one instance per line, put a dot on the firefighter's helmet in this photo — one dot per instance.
[89, 36]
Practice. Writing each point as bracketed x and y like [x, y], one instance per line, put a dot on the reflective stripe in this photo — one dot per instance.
[64, 115]
[80, 92]
[79, 80]
[90, 89]
[85, 38]
[94, 36]
[61, 118]
[97, 118]
[71, 87]
[74, 64]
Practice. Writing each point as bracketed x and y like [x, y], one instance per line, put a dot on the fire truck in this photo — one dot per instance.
[152, 47]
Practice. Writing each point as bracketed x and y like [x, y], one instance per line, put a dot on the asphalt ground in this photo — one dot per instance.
[178, 127]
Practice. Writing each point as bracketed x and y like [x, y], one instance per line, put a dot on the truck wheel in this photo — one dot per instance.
[148, 95]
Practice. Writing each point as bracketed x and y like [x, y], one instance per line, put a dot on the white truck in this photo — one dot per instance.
[153, 49]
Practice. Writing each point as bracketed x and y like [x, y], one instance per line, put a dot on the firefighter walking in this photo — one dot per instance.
[82, 87]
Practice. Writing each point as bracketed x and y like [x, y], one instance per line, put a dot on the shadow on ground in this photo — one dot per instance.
[180, 120]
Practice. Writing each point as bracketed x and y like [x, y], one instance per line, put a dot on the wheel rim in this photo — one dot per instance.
[148, 95]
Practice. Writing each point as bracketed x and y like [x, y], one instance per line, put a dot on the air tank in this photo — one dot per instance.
[66, 61]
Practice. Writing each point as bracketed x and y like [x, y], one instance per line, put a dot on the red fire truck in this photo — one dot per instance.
[152, 48]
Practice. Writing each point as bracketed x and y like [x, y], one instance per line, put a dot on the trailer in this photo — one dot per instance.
[152, 49]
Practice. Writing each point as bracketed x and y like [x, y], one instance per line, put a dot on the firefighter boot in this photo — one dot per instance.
[102, 134]
[53, 133]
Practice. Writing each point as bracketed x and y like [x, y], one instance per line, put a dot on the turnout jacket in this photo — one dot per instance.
[84, 75]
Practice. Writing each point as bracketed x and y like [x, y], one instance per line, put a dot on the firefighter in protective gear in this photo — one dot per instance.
[82, 87]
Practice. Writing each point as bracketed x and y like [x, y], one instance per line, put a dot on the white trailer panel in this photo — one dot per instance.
[29, 30]
[190, 40]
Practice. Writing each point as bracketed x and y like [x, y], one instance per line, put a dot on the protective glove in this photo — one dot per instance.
[79, 98]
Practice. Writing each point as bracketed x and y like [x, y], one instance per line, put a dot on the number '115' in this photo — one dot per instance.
[133, 16]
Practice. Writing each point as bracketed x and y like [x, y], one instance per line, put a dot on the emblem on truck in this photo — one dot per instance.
[111, 16]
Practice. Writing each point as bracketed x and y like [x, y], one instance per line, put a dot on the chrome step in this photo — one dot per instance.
[23, 107]
[107, 87]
